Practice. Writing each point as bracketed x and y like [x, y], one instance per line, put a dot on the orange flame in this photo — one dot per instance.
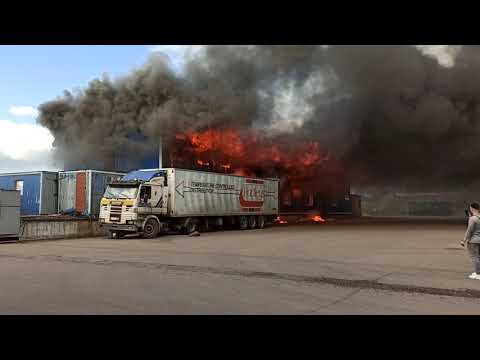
[302, 164]
[318, 219]
[203, 163]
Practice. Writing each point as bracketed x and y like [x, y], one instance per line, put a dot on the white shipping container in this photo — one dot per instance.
[197, 193]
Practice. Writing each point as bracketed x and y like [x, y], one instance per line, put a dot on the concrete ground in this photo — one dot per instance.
[337, 268]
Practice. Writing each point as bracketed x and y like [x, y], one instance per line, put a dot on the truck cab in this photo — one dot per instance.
[134, 205]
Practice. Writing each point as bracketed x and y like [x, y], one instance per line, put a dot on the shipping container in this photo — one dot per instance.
[9, 213]
[38, 191]
[81, 191]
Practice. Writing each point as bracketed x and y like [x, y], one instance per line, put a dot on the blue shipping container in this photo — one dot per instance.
[38, 191]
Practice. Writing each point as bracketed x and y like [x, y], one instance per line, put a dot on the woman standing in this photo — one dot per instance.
[472, 239]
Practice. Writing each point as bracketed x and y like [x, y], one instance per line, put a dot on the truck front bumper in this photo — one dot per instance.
[119, 227]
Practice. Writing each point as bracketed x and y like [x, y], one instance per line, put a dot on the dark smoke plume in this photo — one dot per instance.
[392, 114]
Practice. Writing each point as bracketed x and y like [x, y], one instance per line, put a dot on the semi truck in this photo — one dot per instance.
[155, 201]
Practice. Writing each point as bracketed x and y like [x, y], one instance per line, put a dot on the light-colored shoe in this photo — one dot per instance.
[474, 276]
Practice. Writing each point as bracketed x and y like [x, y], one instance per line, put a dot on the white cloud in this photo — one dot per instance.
[25, 147]
[444, 54]
[22, 141]
[23, 111]
[39, 161]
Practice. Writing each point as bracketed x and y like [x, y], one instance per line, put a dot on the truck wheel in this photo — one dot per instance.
[190, 226]
[207, 224]
[219, 223]
[261, 222]
[243, 222]
[252, 222]
[150, 229]
[229, 223]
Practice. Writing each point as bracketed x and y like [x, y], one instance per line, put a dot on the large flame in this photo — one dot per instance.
[244, 153]
[303, 165]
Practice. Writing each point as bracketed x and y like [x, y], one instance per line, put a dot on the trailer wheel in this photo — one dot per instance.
[151, 229]
[243, 222]
[229, 222]
[219, 223]
[261, 222]
[190, 226]
[207, 224]
[252, 222]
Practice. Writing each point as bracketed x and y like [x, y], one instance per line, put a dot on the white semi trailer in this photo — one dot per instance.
[150, 202]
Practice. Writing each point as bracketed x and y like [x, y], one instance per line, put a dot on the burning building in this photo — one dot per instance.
[317, 117]
[312, 180]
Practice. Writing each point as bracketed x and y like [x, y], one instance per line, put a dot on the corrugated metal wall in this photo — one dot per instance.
[202, 193]
[30, 203]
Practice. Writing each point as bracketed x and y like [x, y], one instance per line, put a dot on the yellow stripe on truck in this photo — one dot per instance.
[105, 202]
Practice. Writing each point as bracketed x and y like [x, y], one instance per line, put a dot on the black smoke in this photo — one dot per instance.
[392, 114]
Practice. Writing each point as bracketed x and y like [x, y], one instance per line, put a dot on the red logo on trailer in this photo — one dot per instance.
[252, 194]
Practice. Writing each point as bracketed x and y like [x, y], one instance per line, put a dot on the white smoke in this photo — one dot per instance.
[292, 104]
[444, 54]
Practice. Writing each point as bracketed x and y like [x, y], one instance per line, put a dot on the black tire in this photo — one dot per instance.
[151, 229]
[207, 224]
[228, 223]
[243, 222]
[260, 222]
[252, 222]
[190, 226]
[219, 223]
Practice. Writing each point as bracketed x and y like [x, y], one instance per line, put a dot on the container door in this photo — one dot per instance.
[80, 194]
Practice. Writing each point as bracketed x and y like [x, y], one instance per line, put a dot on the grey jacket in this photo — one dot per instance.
[472, 234]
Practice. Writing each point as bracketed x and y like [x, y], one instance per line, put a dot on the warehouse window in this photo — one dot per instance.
[19, 186]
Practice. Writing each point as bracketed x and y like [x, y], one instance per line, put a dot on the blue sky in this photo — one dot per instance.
[31, 75]
[34, 74]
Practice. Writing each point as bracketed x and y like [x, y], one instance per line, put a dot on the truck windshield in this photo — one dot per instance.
[120, 192]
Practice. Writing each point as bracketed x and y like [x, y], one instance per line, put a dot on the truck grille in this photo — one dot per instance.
[116, 209]
[115, 213]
